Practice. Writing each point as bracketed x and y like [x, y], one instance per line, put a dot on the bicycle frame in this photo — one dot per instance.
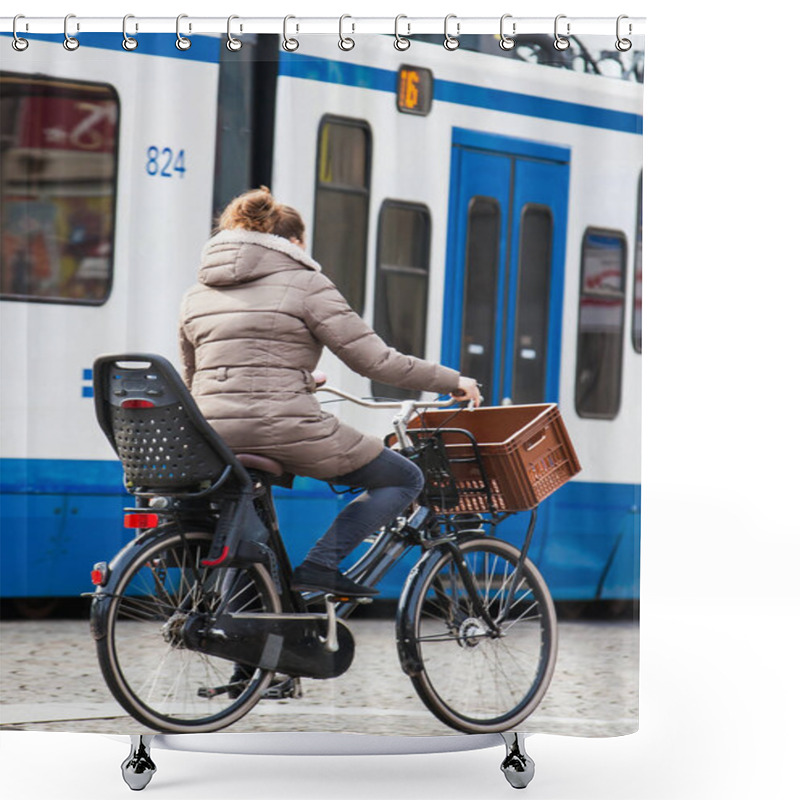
[390, 545]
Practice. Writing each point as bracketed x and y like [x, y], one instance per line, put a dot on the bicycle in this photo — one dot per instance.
[205, 583]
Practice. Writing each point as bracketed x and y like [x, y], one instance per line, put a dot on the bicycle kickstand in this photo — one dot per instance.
[331, 640]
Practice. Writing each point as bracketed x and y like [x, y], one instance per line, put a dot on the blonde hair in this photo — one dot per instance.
[257, 210]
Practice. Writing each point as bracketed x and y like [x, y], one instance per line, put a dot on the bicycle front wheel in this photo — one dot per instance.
[144, 659]
[474, 679]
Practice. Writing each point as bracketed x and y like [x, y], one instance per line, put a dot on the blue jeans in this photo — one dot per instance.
[391, 482]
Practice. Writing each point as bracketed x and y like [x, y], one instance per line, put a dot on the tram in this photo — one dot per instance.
[478, 208]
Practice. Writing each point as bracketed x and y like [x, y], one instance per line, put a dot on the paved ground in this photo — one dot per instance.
[50, 681]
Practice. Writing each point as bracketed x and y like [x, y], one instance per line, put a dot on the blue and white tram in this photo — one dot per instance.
[477, 210]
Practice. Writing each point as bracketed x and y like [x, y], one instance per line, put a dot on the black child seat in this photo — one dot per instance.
[168, 449]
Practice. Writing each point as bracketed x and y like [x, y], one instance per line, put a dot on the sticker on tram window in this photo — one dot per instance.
[414, 90]
[164, 162]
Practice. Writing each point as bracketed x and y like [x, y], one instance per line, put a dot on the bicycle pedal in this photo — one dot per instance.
[288, 688]
[207, 692]
[343, 598]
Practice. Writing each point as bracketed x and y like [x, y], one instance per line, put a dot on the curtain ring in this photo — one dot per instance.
[70, 42]
[560, 42]
[400, 42]
[507, 42]
[346, 43]
[623, 45]
[128, 42]
[18, 43]
[233, 44]
[290, 45]
[181, 42]
[451, 42]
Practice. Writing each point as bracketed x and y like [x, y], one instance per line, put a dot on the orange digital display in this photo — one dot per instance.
[414, 90]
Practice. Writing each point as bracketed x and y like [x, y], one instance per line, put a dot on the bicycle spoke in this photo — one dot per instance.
[157, 674]
[145, 610]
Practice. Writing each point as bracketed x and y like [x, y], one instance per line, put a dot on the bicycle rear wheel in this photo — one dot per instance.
[471, 678]
[144, 659]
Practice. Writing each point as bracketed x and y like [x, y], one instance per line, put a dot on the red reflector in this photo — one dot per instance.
[206, 563]
[137, 404]
[100, 573]
[141, 520]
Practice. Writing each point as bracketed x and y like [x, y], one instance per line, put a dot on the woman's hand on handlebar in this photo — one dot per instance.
[468, 390]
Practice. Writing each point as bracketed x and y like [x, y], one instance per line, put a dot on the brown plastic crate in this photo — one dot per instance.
[526, 452]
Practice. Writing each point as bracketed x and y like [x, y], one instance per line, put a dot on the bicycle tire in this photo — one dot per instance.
[137, 626]
[464, 669]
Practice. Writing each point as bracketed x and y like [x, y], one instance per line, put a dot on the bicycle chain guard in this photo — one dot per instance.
[293, 644]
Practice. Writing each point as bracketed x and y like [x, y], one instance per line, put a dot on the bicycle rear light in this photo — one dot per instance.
[138, 404]
[141, 520]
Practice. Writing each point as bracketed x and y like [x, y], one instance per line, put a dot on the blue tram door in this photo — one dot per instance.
[505, 270]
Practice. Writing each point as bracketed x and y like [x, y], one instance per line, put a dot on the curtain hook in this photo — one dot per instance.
[233, 44]
[560, 42]
[400, 42]
[18, 43]
[623, 45]
[346, 43]
[70, 42]
[290, 45]
[451, 42]
[181, 42]
[507, 42]
[128, 42]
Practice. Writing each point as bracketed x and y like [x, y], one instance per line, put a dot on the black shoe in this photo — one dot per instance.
[280, 687]
[310, 577]
[239, 679]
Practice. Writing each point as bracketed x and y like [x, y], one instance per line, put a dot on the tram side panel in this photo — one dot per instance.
[593, 542]
[62, 491]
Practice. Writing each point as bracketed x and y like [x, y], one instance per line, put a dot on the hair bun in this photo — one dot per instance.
[258, 210]
[266, 196]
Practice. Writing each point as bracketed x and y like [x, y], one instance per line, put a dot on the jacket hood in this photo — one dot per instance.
[239, 256]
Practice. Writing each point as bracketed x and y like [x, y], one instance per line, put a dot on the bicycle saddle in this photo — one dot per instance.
[263, 463]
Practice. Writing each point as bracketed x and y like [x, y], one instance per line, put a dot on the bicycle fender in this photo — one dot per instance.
[407, 648]
[101, 599]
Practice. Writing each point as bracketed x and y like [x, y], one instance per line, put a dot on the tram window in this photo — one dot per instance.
[598, 379]
[58, 147]
[637, 277]
[401, 283]
[480, 291]
[342, 204]
[533, 304]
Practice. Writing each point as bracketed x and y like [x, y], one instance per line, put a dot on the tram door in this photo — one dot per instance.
[506, 244]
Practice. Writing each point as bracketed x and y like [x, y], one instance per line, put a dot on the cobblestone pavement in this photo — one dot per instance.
[50, 681]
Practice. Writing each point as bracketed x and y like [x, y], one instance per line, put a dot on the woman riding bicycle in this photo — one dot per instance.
[252, 332]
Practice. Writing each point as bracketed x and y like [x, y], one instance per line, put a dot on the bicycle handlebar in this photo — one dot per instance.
[406, 409]
[386, 403]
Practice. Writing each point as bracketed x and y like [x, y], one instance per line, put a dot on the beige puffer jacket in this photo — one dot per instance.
[251, 333]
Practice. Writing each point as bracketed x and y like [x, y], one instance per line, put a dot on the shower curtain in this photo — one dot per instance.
[478, 205]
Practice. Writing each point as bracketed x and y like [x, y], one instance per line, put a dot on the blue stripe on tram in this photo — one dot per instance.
[59, 517]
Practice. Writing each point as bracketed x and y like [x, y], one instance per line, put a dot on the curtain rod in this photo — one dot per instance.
[404, 25]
